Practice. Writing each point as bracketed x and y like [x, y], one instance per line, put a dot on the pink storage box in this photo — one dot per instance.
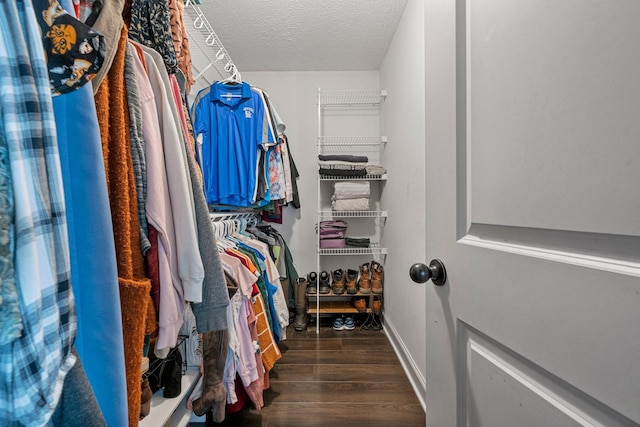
[332, 243]
[332, 233]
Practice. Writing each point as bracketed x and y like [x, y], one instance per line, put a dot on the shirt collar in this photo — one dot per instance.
[219, 90]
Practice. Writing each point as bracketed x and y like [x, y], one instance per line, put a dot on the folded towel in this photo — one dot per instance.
[375, 170]
[350, 204]
[358, 242]
[339, 164]
[340, 172]
[351, 187]
[351, 190]
[344, 157]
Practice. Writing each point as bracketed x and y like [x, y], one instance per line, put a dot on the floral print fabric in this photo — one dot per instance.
[150, 26]
[181, 41]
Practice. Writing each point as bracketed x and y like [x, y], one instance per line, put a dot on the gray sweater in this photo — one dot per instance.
[211, 313]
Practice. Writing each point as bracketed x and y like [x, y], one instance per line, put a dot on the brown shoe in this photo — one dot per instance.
[145, 398]
[352, 281]
[337, 285]
[365, 279]
[376, 305]
[361, 305]
[377, 277]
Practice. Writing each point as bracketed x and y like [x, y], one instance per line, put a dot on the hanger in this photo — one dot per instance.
[242, 230]
[234, 75]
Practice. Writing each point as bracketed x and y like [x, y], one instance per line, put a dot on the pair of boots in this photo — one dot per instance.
[312, 283]
[371, 278]
[361, 305]
[345, 280]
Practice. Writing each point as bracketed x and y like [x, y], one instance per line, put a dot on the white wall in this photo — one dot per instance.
[402, 75]
[294, 94]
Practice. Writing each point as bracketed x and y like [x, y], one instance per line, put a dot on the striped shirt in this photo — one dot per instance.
[33, 367]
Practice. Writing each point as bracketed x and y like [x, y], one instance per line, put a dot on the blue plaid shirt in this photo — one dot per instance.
[33, 367]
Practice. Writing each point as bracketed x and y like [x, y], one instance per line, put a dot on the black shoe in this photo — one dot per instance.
[325, 285]
[312, 283]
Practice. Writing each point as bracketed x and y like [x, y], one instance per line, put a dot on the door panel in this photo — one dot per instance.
[532, 121]
[552, 89]
[502, 389]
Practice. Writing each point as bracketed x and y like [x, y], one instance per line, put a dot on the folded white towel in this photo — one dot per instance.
[376, 170]
[351, 187]
[361, 204]
[351, 190]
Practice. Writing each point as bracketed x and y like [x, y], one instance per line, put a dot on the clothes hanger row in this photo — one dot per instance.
[230, 225]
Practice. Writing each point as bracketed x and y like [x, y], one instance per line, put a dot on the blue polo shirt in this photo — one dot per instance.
[232, 121]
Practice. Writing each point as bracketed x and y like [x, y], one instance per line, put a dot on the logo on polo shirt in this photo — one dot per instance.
[248, 112]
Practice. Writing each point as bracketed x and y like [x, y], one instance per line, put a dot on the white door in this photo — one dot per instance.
[533, 205]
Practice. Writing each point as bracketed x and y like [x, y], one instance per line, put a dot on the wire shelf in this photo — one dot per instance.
[353, 251]
[353, 214]
[351, 141]
[351, 97]
[371, 146]
[353, 178]
[202, 36]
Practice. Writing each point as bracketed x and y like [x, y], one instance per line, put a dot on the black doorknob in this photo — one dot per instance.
[435, 271]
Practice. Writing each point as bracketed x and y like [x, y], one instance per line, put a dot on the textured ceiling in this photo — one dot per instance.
[301, 35]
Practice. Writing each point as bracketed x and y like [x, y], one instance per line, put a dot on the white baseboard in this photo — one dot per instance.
[416, 379]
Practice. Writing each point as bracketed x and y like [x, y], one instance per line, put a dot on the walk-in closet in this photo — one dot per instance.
[206, 235]
[301, 213]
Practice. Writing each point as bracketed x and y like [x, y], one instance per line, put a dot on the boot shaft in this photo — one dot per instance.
[299, 291]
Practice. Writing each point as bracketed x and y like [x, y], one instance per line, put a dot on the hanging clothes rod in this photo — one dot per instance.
[208, 43]
[233, 216]
[225, 224]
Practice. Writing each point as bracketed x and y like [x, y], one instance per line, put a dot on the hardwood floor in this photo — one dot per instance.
[335, 378]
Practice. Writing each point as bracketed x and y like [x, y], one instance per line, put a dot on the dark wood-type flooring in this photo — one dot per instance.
[335, 378]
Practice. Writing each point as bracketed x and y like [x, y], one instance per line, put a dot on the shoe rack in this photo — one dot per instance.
[349, 123]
